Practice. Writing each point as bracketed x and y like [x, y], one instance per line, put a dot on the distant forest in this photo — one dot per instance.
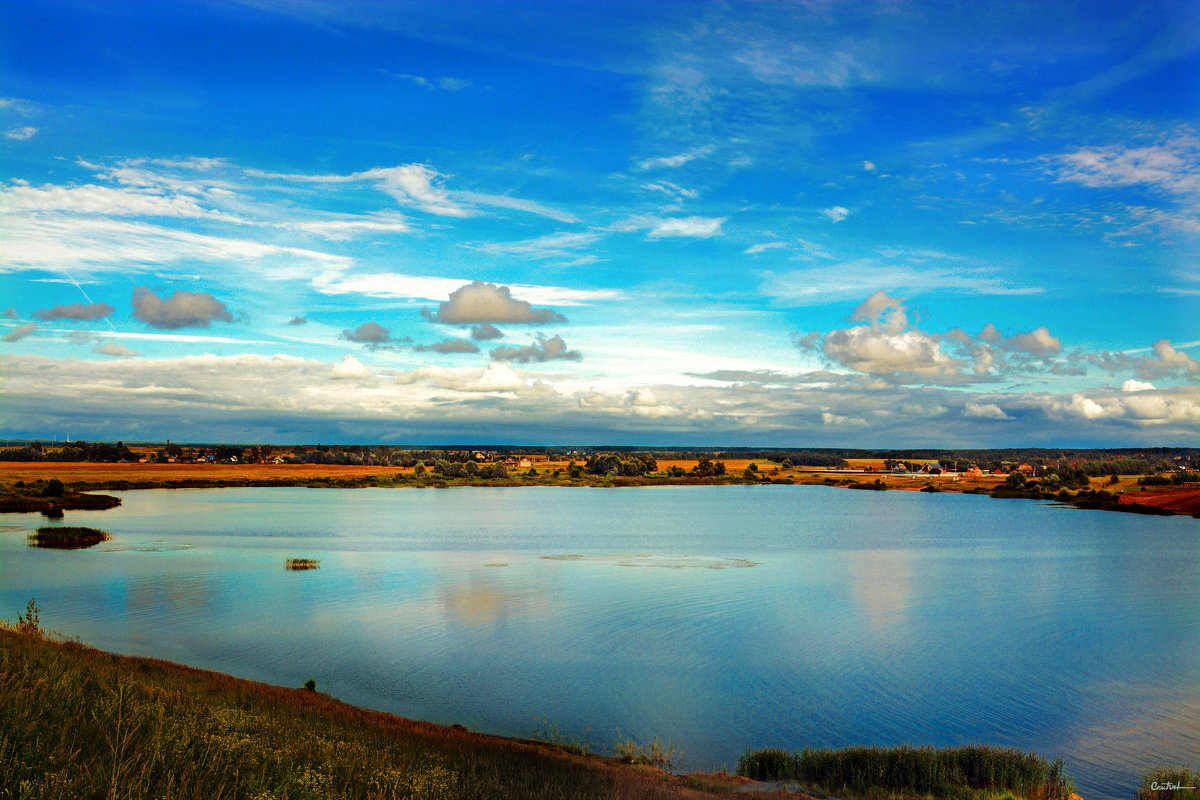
[1093, 461]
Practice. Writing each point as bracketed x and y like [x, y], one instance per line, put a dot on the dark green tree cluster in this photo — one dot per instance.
[612, 464]
[74, 451]
[707, 468]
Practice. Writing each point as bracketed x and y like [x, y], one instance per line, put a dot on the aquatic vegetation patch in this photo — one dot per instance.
[923, 770]
[68, 537]
[298, 564]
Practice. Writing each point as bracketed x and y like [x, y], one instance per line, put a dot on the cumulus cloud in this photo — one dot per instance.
[835, 213]
[495, 377]
[1136, 386]
[485, 330]
[984, 411]
[480, 302]
[879, 351]
[888, 344]
[368, 333]
[9, 313]
[868, 166]
[20, 332]
[841, 420]
[181, 310]
[543, 349]
[1165, 361]
[882, 311]
[1037, 342]
[79, 311]
[448, 346]
[114, 349]
[298, 321]
[350, 368]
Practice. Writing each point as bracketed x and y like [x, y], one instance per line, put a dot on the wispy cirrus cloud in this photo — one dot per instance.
[672, 227]
[677, 159]
[553, 245]
[845, 281]
[1171, 165]
[426, 287]
[22, 133]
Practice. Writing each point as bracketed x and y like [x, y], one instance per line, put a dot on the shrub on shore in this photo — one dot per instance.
[1164, 783]
[913, 769]
[302, 563]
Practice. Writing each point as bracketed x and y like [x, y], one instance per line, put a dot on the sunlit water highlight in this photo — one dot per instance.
[720, 618]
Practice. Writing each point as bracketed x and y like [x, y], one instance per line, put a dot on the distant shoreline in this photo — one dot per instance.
[19, 482]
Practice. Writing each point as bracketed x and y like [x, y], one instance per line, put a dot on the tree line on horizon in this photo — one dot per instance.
[635, 461]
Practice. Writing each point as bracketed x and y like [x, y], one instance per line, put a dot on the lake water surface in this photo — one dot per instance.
[720, 618]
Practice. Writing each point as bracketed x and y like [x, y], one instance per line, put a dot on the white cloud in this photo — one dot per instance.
[368, 333]
[495, 377]
[79, 311]
[425, 287]
[836, 213]
[350, 368]
[698, 227]
[554, 245]
[984, 411]
[418, 185]
[342, 228]
[449, 84]
[671, 190]
[516, 204]
[182, 309]
[1037, 342]
[868, 166]
[18, 333]
[878, 352]
[114, 349]
[486, 302]
[1173, 165]
[22, 133]
[105, 201]
[677, 160]
[880, 310]
[1136, 386]
[97, 244]
[754, 249]
[839, 420]
[853, 279]
[542, 349]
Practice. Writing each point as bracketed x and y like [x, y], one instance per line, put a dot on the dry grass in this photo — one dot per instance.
[77, 723]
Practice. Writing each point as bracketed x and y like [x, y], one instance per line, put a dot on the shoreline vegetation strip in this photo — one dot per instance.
[29, 497]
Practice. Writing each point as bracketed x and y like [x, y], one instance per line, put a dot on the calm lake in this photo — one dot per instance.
[720, 618]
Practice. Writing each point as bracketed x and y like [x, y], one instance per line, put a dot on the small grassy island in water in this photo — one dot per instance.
[68, 537]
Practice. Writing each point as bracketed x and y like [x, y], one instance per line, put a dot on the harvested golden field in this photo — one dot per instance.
[82, 474]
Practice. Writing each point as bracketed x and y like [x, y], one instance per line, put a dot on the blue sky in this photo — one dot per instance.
[879, 224]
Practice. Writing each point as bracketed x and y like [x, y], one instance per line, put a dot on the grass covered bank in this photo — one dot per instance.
[79, 723]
